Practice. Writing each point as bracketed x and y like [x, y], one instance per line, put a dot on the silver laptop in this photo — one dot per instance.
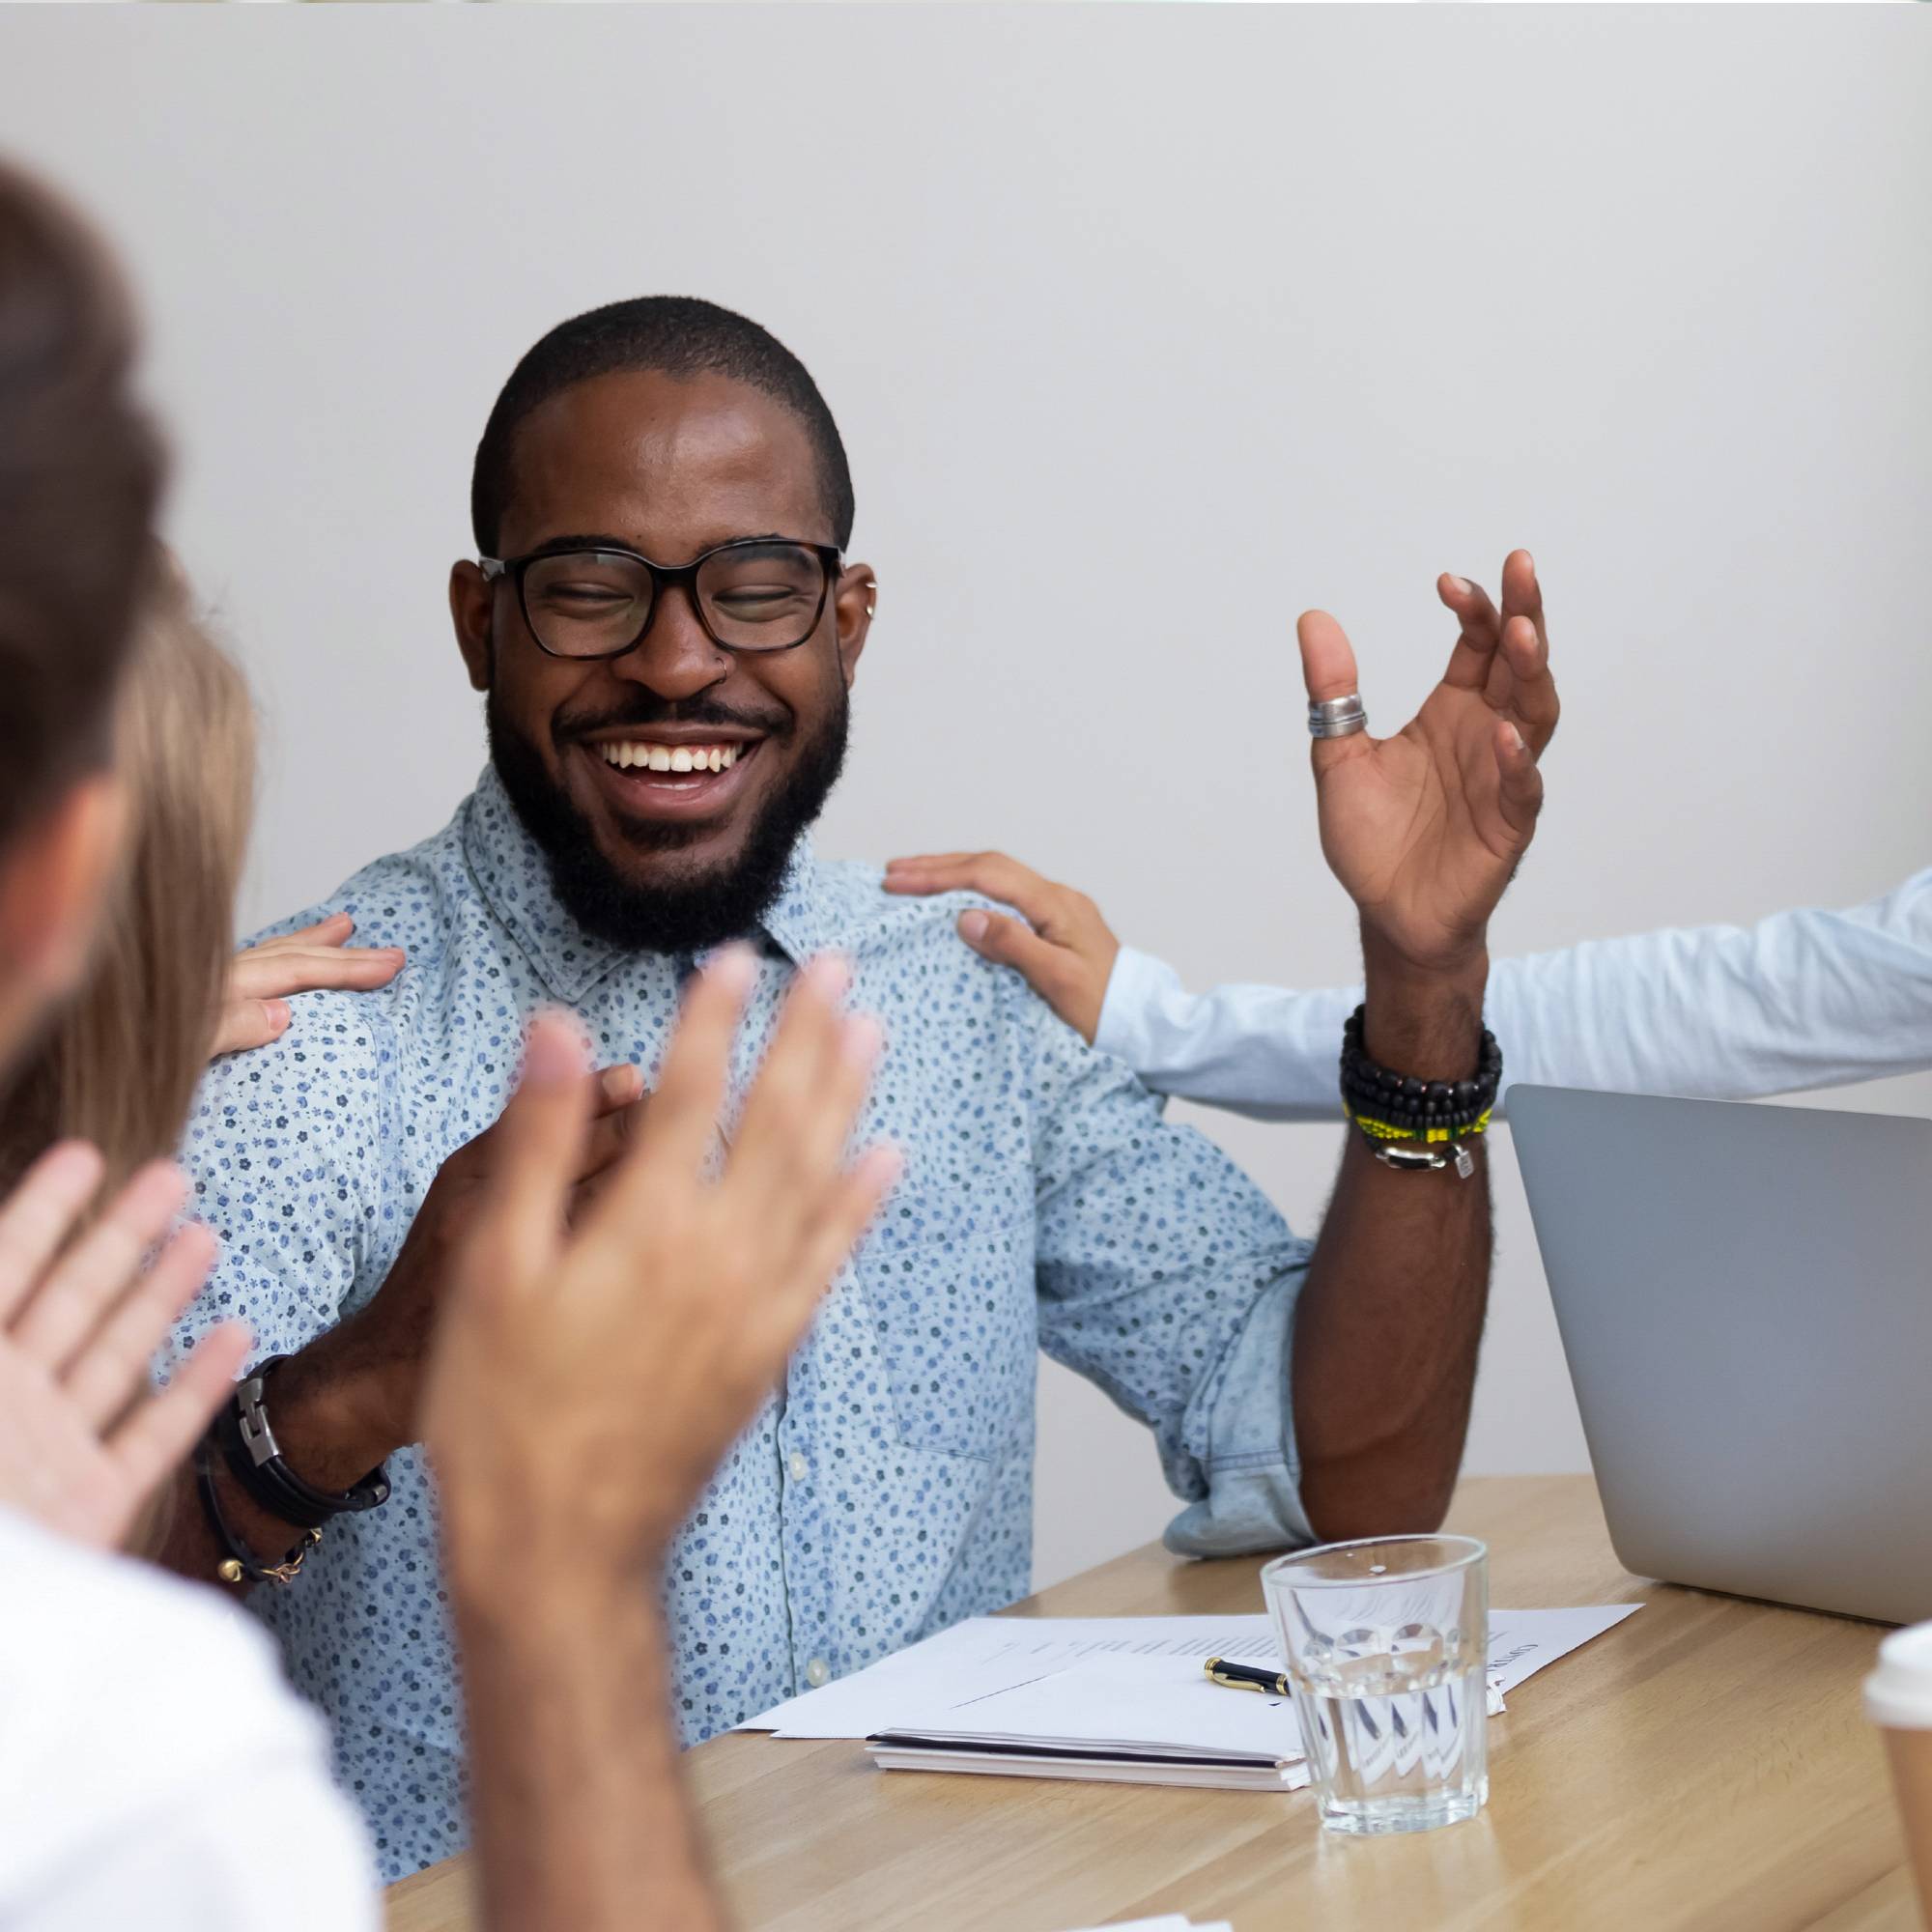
[1744, 1294]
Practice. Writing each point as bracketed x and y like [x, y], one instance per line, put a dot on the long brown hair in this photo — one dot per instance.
[119, 1062]
[80, 470]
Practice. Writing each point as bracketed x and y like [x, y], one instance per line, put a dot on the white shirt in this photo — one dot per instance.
[1800, 1000]
[155, 1771]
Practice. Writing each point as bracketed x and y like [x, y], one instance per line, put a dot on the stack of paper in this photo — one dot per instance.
[1121, 1699]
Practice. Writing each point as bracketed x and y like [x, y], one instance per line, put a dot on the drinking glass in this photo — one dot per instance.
[1385, 1642]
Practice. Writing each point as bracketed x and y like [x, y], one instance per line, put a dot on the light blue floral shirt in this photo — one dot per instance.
[886, 1491]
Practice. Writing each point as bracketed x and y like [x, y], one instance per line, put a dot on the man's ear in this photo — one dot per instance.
[471, 599]
[854, 603]
[55, 878]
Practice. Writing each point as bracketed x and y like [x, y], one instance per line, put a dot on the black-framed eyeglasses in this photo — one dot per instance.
[751, 594]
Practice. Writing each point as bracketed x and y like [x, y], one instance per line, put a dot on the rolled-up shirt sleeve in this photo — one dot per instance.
[1167, 1278]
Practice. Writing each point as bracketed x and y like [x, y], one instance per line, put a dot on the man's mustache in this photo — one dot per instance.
[647, 711]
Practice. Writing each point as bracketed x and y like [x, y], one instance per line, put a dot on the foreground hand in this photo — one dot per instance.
[1065, 950]
[254, 1005]
[1425, 829]
[586, 1380]
[79, 1321]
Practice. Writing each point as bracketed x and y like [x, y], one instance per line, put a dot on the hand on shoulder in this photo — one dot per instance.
[1062, 945]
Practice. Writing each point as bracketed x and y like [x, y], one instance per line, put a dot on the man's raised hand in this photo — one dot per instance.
[1424, 829]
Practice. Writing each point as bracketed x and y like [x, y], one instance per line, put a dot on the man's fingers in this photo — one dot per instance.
[1532, 692]
[113, 1363]
[1327, 659]
[40, 1215]
[921, 860]
[1329, 669]
[1522, 593]
[612, 1133]
[158, 1436]
[616, 1088]
[539, 1144]
[1007, 942]
[690, 1092]
[1519, 786]
[1481, 632]
[92, 1275]
[992, 873]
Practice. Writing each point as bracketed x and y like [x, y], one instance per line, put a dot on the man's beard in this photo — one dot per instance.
[704, 908]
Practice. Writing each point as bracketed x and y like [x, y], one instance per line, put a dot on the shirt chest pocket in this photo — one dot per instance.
[959, 1334]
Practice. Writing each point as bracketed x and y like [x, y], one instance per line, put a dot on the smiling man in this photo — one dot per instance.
[666, 631]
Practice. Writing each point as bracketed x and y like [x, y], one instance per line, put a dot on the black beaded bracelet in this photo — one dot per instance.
[1389, 1106]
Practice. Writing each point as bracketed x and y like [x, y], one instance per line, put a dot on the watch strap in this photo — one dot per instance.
[248, 1445]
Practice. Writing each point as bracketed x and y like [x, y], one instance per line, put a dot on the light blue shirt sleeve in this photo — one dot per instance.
[289, 1148]
[1166, 1277]
[1800, 1000]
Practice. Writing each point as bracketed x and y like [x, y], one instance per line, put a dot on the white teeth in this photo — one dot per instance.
[632, 754]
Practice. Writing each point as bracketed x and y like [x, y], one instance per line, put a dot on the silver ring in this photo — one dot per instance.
[1337, 716]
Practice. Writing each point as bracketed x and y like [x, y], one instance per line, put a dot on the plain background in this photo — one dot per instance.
[1145, 327]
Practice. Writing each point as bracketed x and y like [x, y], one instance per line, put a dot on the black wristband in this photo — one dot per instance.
[239, 1563]
[248, 1445]
[1417, 1108]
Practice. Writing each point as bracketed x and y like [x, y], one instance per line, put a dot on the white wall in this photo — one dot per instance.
[1145, 327]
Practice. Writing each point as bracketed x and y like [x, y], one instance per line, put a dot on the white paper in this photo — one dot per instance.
[1140, 1706]
[986, 1654]
[1522, 1641]
[1146, 1705]
[983, 1656]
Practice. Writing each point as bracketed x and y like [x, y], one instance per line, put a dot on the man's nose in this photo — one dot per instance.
[676, 658]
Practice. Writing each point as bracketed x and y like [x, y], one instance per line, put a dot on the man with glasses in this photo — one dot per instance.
[667, 629]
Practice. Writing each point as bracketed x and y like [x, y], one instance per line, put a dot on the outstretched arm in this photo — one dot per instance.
[1424, 831]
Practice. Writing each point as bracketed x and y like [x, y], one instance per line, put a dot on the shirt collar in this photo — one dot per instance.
[513, 875]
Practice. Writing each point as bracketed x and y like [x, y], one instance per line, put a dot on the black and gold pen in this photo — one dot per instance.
[1246, 1677]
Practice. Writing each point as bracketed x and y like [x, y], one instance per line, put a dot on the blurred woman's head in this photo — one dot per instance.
[119, 1059]
[80, 471]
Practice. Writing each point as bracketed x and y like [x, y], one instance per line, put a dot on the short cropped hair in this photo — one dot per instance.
[80, 474]
[680, 337]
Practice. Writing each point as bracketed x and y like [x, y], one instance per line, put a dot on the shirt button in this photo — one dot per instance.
[817, 1672]
[798, 1467]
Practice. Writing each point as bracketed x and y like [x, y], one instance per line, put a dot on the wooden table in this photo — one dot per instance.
[1705, 1764]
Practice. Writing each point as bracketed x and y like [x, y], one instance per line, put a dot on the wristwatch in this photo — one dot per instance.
[254, 1457]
